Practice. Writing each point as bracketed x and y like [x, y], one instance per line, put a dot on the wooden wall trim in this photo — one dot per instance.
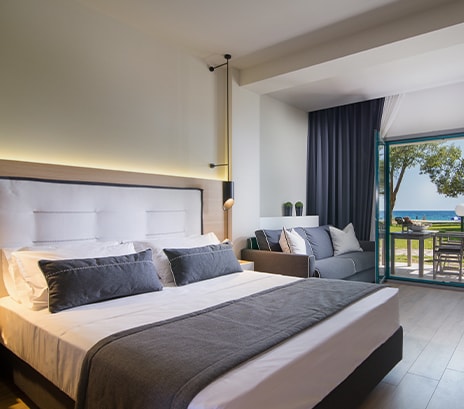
[213, 215]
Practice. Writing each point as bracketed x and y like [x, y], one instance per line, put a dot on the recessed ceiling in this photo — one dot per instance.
[313, 54]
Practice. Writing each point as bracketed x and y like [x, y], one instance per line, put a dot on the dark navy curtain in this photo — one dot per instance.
[341, 160]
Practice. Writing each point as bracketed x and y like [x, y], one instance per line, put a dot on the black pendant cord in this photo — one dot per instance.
[227, 57]
[227, 186]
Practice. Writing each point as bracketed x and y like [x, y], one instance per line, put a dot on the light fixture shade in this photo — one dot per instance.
[459, 209]
[227, 195]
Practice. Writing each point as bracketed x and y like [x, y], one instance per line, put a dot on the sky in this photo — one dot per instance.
[417, 192]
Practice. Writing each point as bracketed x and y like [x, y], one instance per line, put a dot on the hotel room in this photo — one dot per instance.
[120, 92]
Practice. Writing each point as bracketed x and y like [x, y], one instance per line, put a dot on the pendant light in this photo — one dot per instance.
[228, 185]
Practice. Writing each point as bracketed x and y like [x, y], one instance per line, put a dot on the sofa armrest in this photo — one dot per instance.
[297, 265]
[367, 245]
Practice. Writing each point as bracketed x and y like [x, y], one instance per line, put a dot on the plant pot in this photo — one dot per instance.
[299, 211]
[288, 211]
[287, 208]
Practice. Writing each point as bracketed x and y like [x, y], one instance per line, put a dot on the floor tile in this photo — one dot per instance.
[450, 392]
[414, 392]
[432, 361]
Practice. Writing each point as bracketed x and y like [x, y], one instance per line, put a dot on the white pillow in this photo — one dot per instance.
[161, 261]
[344, 240]
[30, 286]
[8, 279]
[12, 277]
[291, 242]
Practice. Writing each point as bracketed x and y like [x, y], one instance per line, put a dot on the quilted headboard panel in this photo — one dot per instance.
[34, 212]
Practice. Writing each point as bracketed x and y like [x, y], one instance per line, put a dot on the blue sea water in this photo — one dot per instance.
[440, 215]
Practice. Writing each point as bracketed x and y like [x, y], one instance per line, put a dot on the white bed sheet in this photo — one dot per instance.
[295, 374]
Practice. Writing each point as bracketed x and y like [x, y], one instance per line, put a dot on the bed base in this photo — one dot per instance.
[354, 389]
[349, 394]
[39, 390]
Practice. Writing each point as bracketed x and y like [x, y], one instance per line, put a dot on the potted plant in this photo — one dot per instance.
[288, 208]
[299, 208]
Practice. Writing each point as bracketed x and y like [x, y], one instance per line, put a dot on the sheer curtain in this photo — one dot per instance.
[341, 160]
[391, 107]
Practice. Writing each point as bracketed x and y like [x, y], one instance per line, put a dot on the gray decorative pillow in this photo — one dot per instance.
[268, 239]
[202, 263]
[344, 241]
[302, 232]
[320, 241]
[83, 281]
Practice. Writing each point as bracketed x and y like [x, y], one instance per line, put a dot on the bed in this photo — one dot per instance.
[48, 350]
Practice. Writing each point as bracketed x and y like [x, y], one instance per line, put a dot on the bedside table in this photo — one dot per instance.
[247, 265]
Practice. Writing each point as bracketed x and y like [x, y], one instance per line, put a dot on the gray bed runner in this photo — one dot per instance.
[165, 364]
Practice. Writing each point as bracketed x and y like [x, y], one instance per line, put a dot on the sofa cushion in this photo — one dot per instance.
[320, 241]
[363, 260]
[346, 265]
[335, 267]
[268, 239]
[252, 243]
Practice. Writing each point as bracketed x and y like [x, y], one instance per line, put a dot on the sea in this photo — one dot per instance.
[432, 215]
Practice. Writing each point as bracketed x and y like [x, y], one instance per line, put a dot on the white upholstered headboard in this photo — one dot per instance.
[187, 196]
[38, 212]
[34, 212]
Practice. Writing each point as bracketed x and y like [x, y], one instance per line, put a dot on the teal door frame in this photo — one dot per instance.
[387, 146]
[380, 234]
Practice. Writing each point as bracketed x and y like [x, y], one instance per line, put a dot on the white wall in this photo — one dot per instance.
[268, 159]
[245, 164]
[284, 132]
[79, 88]
[431, 110]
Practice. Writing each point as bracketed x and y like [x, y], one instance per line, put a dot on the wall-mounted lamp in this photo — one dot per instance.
[227, 194]
[227, 186]
[459, 210]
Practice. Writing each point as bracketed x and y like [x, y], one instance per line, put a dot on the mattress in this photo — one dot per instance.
[295, 374]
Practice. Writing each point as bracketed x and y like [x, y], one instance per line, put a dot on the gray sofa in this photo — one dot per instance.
[319, 261]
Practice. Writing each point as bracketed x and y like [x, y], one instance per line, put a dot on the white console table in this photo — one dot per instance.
[288, 222]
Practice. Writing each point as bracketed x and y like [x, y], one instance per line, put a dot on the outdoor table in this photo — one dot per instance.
[420, 236]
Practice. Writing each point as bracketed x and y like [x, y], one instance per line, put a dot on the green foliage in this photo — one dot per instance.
[299, 204]
[445, 167]
[288, 204]
[442, 163]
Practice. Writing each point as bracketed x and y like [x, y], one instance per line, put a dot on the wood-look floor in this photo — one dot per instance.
[431, 374]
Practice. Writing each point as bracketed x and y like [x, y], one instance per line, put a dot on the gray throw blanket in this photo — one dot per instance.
[165, 364]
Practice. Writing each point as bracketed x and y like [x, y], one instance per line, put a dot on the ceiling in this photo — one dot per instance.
[313, 54]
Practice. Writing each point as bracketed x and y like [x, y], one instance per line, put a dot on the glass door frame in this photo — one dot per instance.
[388, 143]
[380, 233]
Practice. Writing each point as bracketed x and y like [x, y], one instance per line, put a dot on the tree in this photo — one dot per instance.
[442, 163]
[445, 168]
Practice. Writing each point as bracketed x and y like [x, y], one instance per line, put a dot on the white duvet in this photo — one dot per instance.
[295, 374]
